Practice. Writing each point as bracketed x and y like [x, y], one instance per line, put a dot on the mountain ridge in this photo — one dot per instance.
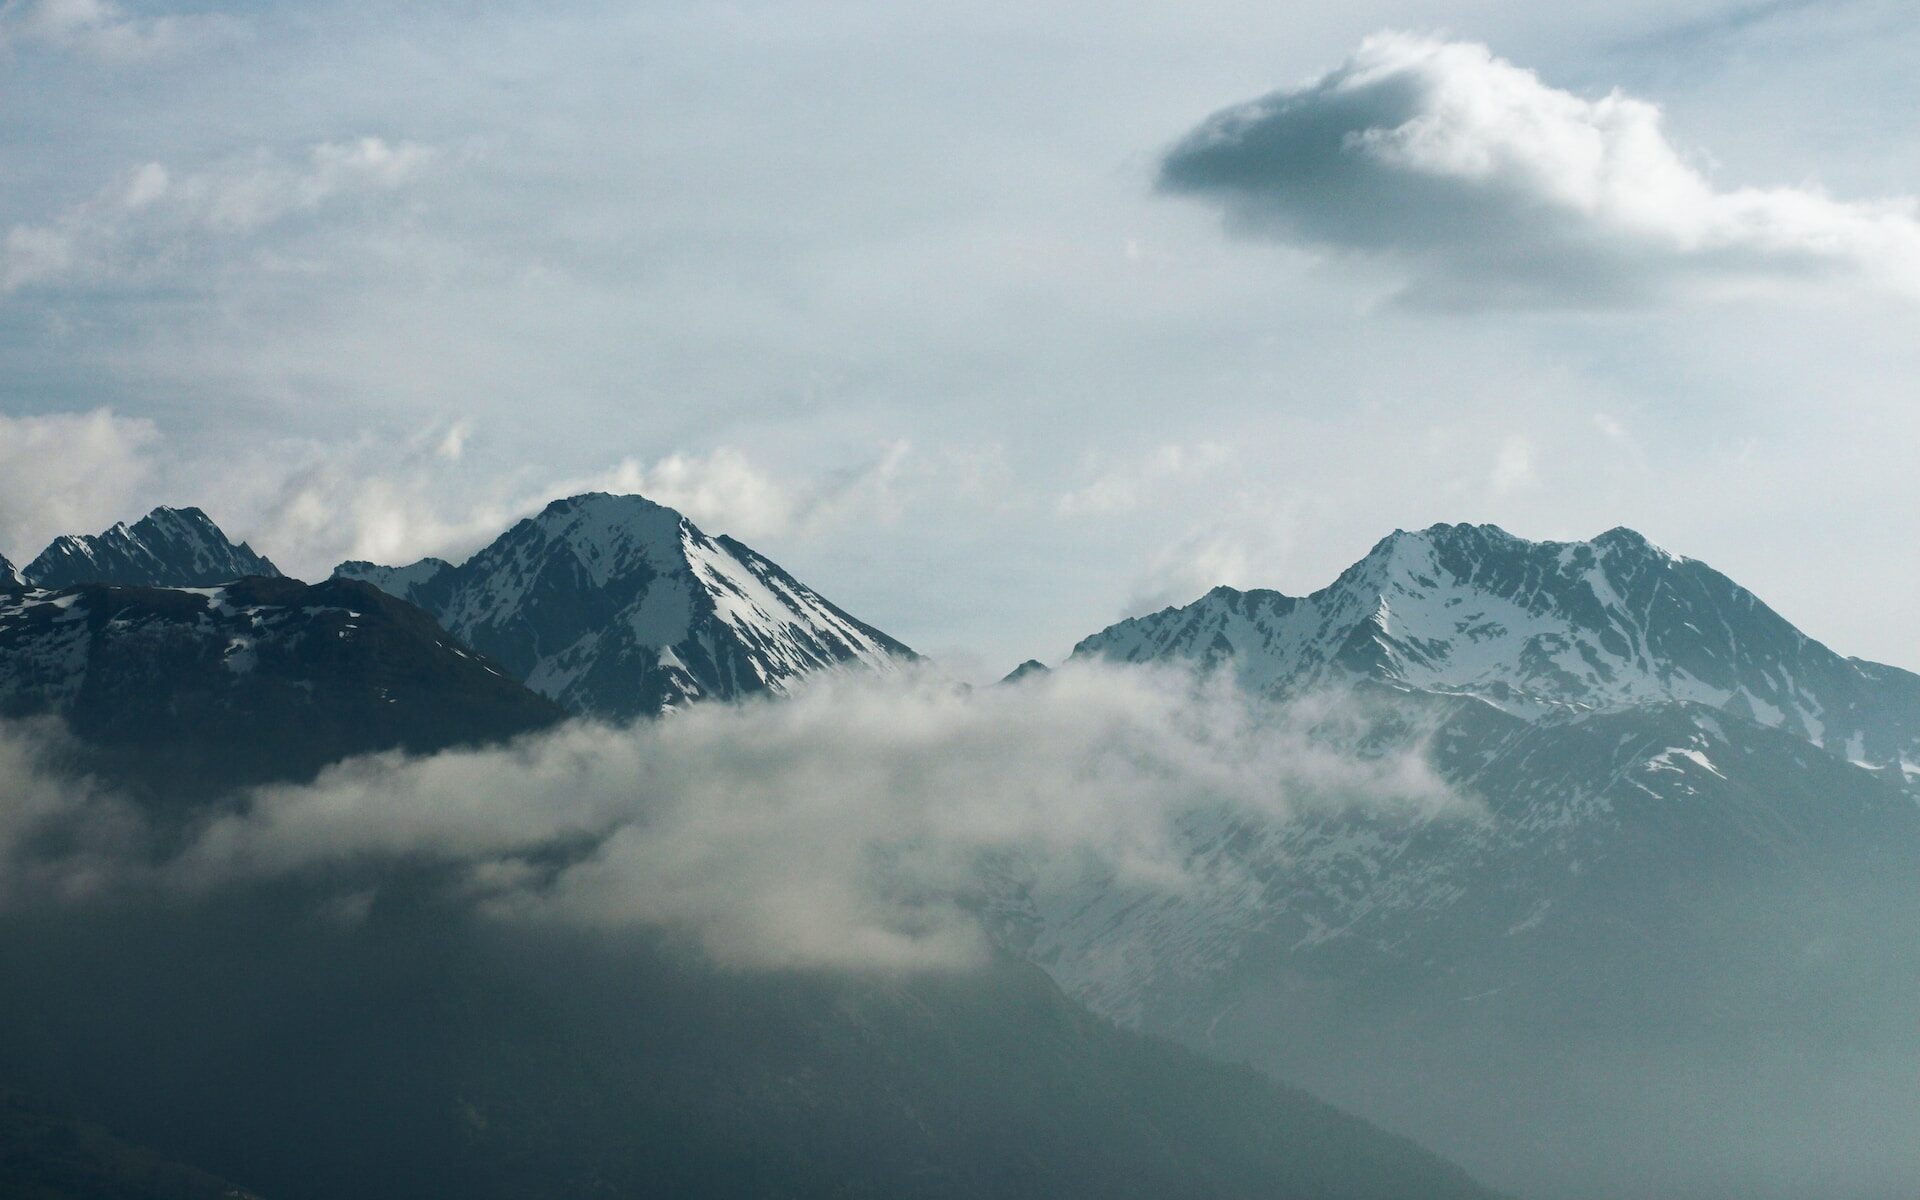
[1536, 628]
[194, 690]
[169, 547]
[618, 607]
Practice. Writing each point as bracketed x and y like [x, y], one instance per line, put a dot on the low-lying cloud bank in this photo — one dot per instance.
[1490, 188]
[849, 827]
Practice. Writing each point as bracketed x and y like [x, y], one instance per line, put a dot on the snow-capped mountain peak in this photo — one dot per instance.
[169, 547]
[621, 607]
[1541, 628]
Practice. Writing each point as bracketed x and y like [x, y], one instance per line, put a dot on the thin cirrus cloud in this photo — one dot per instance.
[1486, 187]
[152, 214]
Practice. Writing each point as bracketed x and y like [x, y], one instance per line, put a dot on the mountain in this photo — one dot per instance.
[45, 1155]
[202, 689]
[169, 547]
[1536, 628]
[10, 580]
[1657, 916]
[617, 607]
[422, 1052]
[374, 1032]
[1032, 666]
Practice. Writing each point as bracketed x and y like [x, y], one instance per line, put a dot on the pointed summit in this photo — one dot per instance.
[618, 607]
[10, 580]
[1032, 666]
[169, 547]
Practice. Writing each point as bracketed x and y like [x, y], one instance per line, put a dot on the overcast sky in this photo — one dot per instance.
[993, 321]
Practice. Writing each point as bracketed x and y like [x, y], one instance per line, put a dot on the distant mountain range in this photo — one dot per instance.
[611, 606]
[411, 1048]
[1683, 830]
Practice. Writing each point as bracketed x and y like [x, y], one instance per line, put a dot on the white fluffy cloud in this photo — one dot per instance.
[1489, 187]
[66, 473]
[847, 827]
[153, 214]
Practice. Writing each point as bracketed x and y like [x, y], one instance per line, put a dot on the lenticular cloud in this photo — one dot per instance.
[1488, 187]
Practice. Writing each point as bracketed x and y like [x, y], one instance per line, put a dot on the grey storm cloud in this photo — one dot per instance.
[1489, 188]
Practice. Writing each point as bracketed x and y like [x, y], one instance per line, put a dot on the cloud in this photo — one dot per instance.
[1186, 570]
[851, 826]
[1513, 467]
[105, 31]
[376, 498]
[726, 491]
[390, 499]
[383, 497]
[395, 500]
[1243, 540]
[1119, 487]
[61, 837]
[152, 214]
[67, 473]
[1486, 187]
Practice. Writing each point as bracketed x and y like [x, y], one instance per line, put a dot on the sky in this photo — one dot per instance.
[994, 322]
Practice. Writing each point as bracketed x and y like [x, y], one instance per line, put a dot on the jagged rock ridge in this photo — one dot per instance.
[169, 547]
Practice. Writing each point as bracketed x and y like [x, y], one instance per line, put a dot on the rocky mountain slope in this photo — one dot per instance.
[193, 690]
[169, 547]
[618, 607]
